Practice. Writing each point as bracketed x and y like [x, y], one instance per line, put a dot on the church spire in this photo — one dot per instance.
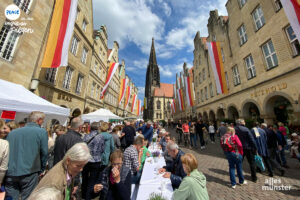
[152, 58]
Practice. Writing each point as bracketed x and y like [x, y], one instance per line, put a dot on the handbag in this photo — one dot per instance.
[259, 162]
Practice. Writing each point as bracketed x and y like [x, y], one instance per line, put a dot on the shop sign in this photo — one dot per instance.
[64, 97]
[266, 91]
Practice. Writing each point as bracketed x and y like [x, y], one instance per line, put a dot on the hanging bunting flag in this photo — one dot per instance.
[188, 90]
[145, 103]
[174, 106]
[123, 86]
[292, 11]
[60, 34]
[180, 99]
[111, 71]
[111, 54]
[139, 108]
[128, 93]
[174, 87]
[133, 103]
[182, 80]
[214, 52]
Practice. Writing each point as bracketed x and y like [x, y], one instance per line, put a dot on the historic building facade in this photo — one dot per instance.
[158, 95]
[20, 52]
[65, 86]
[261, 60]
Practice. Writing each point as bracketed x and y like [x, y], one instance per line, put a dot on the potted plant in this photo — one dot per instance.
[155, 196]
[155, 155]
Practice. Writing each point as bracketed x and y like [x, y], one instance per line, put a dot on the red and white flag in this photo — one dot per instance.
[189, 91]
[133, 103]
[292, 11]
[123, 86]
[128, 93]
[60, 34]
[180, 99]
[111, 71]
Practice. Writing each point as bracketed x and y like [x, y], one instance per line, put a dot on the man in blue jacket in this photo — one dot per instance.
[28, 153]
[249, 145]
[147, 131]
[174, 171]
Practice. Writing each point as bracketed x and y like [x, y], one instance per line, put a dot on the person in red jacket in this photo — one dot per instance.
[186, 134]
[233, 150]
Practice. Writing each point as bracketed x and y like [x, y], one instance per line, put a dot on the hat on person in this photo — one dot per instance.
[222, 123]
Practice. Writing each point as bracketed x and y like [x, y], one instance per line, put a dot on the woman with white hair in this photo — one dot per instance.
[47, 193]
[4, 152]
[62, 175]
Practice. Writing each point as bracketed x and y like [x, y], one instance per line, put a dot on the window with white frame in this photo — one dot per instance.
[99, 71]
[293, 40]
[242, 34]
[93, 89]
[79, 84]
[204, 74]
[278, 4]
[236, 76]
[211, 90]
[223, 56]
[74, 45]
[84, 25]
[227, 80]
[270, 54]
[24, 5]
[202, 95]
[51, 75]
[8, 41]
[206, 92]
[250, 67]
[242, 2]
[84, 55]
[68, 78]
[198, 97]
[97, 92]
[95, 67]
[258, 18]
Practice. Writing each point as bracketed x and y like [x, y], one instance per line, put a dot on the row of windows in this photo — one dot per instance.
[95, 91]
[50, 76]
[74, 48]
[112, 99]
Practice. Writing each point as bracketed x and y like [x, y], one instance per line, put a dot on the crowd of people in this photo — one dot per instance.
[262, 145]
[102, 160]
[89, 160]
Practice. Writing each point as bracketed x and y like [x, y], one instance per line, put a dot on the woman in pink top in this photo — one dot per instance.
[186, 134]
[233, 150]
[282, 129]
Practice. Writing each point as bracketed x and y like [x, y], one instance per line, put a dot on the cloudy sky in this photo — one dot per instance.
[173, 24]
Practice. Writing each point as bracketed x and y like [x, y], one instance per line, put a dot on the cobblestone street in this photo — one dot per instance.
[215, 167]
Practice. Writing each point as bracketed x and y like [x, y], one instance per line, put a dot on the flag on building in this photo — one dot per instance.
[174, 87]
[180, 99]
[145, 103]
[111, 71]
[133, 103]
[189, 91]
[128, 93]
[215, 56]
[60, 34]
[123, 86]
[139, 108]
[292, 11]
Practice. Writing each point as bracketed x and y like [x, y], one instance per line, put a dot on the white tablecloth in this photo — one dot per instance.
[151, 181]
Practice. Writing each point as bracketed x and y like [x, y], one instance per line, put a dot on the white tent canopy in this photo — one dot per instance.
[101, 114]
[14, 97]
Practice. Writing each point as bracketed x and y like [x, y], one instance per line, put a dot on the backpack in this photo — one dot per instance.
[226, 142]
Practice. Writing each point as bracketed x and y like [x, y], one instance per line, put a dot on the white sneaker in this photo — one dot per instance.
[244, 183]
[233, 187]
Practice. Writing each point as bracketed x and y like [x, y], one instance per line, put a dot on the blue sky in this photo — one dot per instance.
[173, 24]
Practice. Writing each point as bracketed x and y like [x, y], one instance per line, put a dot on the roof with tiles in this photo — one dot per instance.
[165, 90]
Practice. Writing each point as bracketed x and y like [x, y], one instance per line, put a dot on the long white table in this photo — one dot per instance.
[153, 182]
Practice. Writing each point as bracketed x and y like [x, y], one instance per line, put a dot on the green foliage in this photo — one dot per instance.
[155, 196]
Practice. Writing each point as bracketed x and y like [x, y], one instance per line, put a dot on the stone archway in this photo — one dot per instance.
[200, 117]
[212, 116]
[220, 114]
[251, 111]
[205, 117]
[233, 113]
[280, 108]
[76, 112]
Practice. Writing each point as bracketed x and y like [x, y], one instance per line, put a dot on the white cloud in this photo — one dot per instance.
[128, 20]
[140, 64]
[165, 54]
[167, 9]
[141, 92]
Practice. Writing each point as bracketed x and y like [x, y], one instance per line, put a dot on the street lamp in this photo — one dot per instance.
[34, 84]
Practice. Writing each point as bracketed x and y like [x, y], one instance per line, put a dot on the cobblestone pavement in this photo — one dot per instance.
[215, 167]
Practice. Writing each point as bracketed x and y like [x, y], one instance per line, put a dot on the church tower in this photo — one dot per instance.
[152, 81]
